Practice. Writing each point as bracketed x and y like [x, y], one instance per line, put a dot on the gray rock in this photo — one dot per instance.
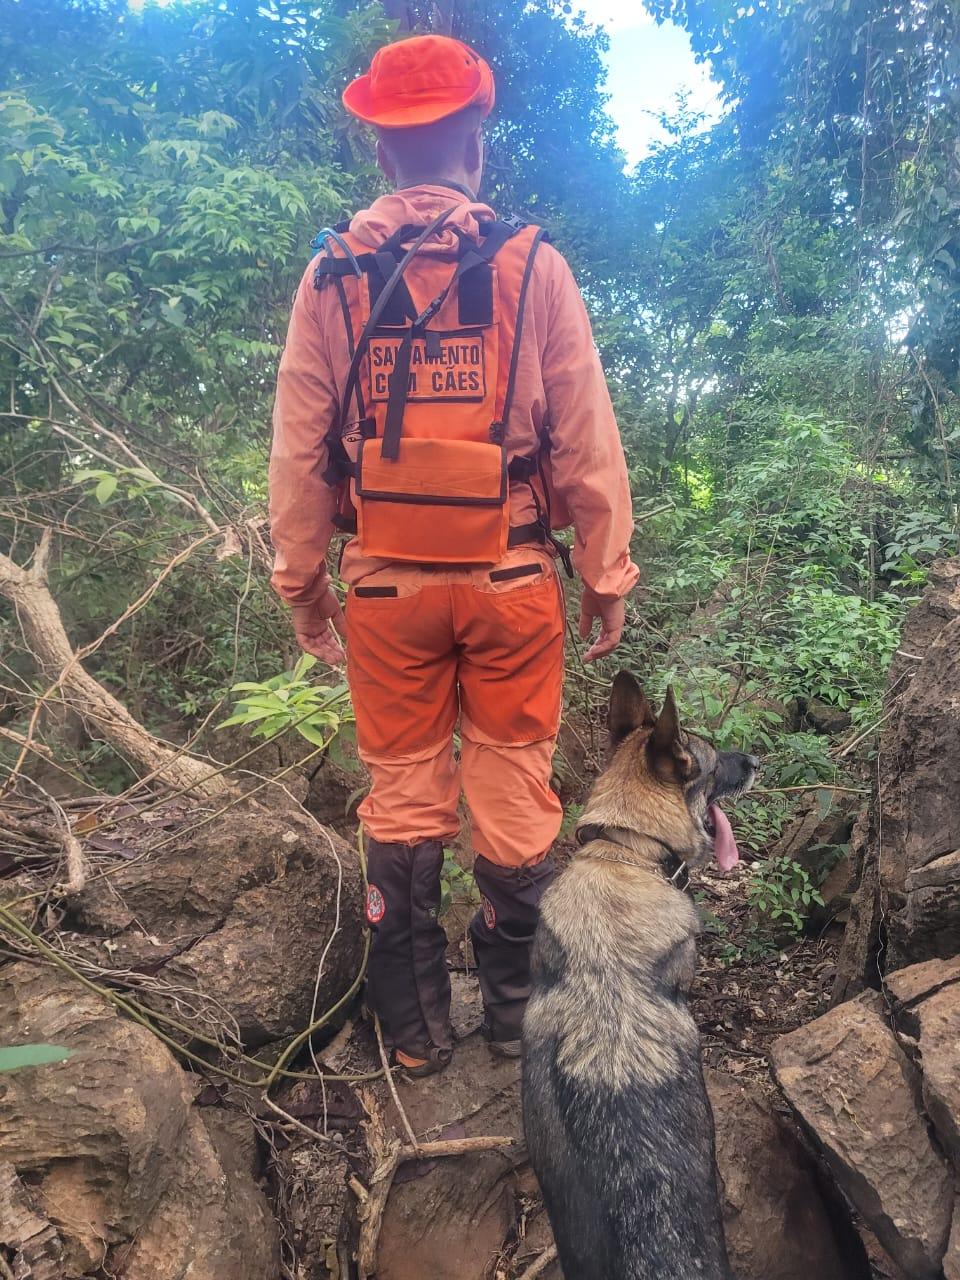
[951, 1263]
[914, 817]
[927, 1007]
[241, 910]
[816, 828]
[858, 1095]
[113, 1149]
[824, 717]
[778, 1226]
[447, 1217]
[940, 1052]
[907, 987]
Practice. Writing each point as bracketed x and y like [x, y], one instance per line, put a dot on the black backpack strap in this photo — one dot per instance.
[377, 309]
[348, 265]
[522, 469]
[538, 240]
[331, 267]
[476, 255]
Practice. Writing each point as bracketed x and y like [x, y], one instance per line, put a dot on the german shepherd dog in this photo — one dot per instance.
[618, 1125]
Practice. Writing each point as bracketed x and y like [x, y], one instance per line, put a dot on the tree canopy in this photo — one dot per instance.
[776, 298]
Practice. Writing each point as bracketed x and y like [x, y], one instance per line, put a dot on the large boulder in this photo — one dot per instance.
[241, 910]
[907, 848]
[823, 823]
[777, 1222]
[927, 1006]
[858, 1095]
[111, 1151]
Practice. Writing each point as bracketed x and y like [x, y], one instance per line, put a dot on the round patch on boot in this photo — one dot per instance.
[376, 905]
[489, 912]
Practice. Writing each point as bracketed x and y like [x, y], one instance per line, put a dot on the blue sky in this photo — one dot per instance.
[647, 65]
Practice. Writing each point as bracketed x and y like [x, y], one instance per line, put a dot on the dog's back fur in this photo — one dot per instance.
[618, 1124]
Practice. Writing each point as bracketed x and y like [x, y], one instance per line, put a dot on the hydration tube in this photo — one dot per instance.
[328, 233]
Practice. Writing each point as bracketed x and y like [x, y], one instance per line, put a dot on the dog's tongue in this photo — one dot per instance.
[724, 845]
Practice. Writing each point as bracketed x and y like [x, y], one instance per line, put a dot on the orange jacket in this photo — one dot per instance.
[560, 387]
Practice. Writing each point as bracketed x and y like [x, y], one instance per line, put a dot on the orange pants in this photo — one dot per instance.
[426, 646]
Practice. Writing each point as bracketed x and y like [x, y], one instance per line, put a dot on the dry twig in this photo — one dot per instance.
[298, 1124]
[540, 1265]
[408, 1128]
[387, 1153]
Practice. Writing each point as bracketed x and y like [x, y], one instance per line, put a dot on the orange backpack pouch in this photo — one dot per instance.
[440, 501]
[436, 344]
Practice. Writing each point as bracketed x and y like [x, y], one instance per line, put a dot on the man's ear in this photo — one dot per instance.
[666, 741]
[629, 708]
[474, 158]
[387, 167]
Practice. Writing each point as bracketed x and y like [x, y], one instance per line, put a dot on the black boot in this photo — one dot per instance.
[502, 933]
[407, 980]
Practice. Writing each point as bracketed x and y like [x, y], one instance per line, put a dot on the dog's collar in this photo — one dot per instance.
[673, 866]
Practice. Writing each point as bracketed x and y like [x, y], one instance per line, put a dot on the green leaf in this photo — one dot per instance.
[305, 663]
[313, 734]
[248, 716]
[173, 315]
[239, 718]
[267, 701]
[342, 750]
[16, 1057]
[105, 489]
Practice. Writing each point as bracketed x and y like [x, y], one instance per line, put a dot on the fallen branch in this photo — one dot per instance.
[455, 1147]
[73, 855]
[408, 1128]
[540, 1265]
[38, 747]
[641, 516]
[39, 616]
[855, 742]
[387, 1154]
[385, 1159]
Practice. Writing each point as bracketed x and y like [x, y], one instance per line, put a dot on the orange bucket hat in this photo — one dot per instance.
[418, 81]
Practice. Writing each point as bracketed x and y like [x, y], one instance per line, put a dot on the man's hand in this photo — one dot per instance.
[318, 627]
[611, 615]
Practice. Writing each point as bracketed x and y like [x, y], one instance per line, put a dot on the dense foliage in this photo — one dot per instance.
[776, 299]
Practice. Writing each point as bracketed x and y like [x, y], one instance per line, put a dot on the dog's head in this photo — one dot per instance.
[667, 782]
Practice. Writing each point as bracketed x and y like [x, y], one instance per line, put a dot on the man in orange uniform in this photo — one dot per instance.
[440, 393]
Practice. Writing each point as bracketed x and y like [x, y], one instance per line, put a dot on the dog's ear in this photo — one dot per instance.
[666, 741]
[629, 708]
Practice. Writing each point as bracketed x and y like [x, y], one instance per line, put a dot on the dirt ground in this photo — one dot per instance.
[742, 1003]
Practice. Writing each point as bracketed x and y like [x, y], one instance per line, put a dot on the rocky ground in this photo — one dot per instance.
[188, 1132]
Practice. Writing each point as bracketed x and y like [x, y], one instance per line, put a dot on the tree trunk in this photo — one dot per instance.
[49, 645]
